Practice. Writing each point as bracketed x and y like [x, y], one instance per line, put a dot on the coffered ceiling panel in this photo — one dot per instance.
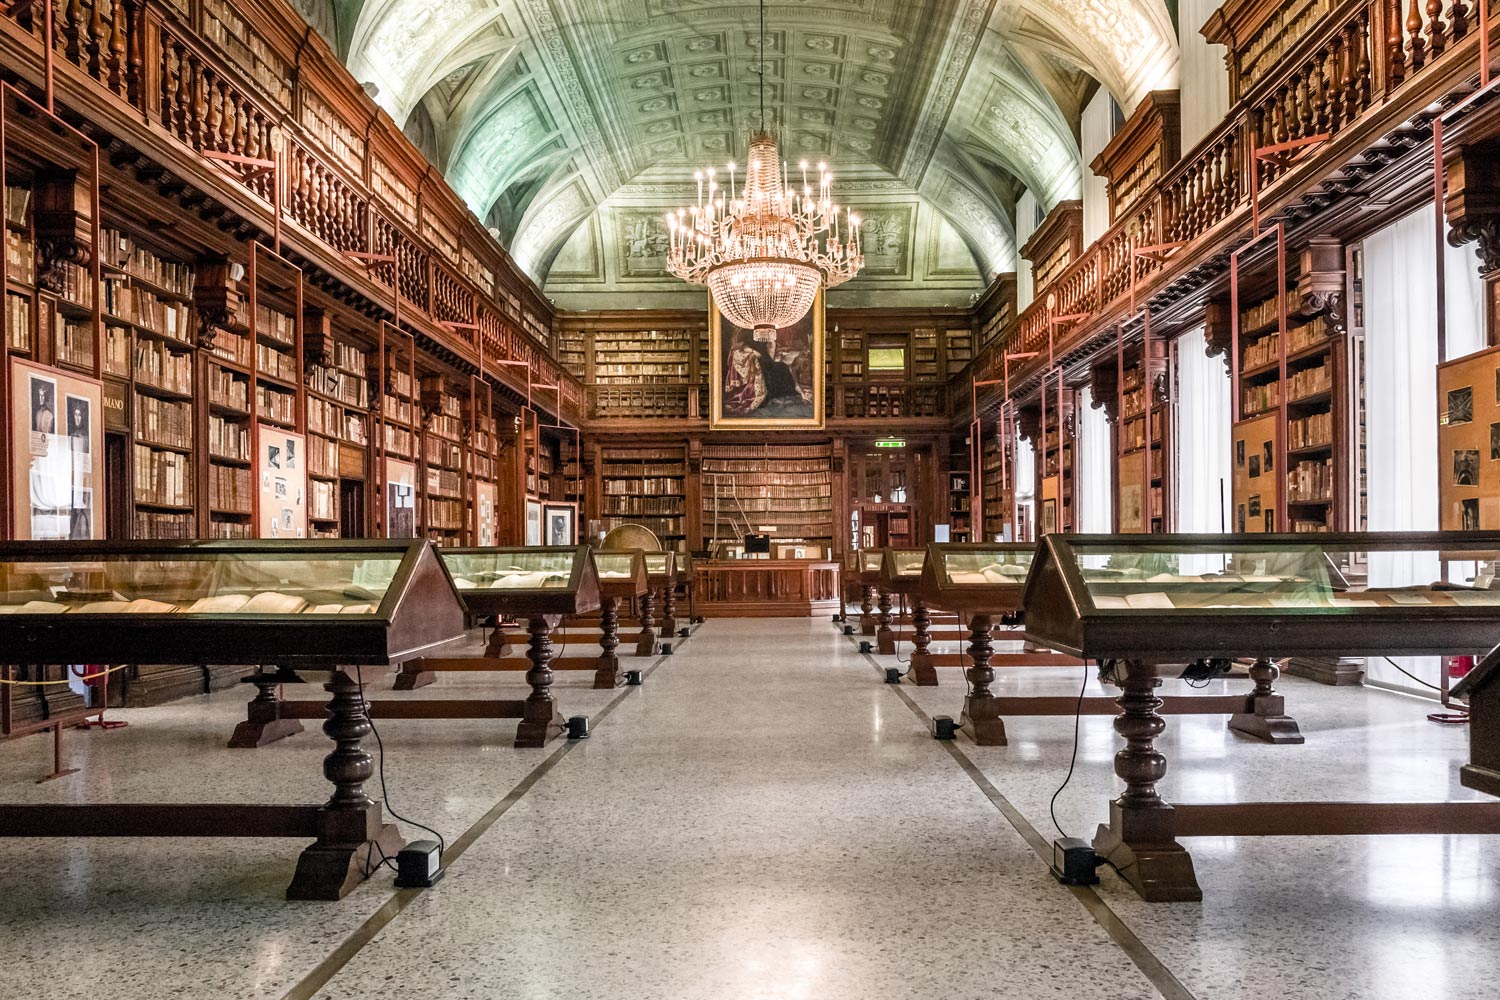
[553, 112]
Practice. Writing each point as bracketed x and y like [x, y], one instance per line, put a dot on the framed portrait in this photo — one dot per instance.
[57, 437]
[283, 483]
[560, 524]
[533, 521]
[1049, 516]
[400, 499]
[765, 384]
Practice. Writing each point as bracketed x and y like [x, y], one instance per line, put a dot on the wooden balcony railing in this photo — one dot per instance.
[1341, 63]
[250, 80]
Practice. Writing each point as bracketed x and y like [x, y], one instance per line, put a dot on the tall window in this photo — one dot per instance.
[1096, 488]
[1202, 435]
[1400, 299]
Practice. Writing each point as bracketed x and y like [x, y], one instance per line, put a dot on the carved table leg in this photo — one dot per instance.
[499, 644]
[885, 639]
[646, 646]
[541, 722]
[1265, 716]
[981, 715]
[669, 610]
[1139, 839]
[922, 672]
[692, 596]
[867, 611]
[607, 674]
[263, 722]
[352, 833]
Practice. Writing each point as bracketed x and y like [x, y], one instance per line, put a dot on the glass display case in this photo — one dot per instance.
[978, 577]
[867, 565]
[1173, 597]
[293, 602]
[901, 570]
[550, 580]
[622, 573]
[661, 568]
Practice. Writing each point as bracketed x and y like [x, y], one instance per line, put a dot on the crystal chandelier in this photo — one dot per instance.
[766, 249]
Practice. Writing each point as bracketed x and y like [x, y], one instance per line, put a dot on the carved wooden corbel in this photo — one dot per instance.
[1472, 204]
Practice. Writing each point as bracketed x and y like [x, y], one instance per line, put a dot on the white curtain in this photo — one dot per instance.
[1095, 131]
[1025, 487]
[1204, 77]
[1400, 282]
[1025, 226]
[1096, 490]
[1202, 433]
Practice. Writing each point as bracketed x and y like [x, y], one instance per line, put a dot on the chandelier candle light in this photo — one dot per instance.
[765, 250]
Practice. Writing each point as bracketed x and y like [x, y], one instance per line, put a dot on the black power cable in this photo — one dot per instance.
[1073, 762]
[385, 795]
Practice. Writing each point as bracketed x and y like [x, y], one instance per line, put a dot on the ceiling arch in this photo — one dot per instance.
[555, 118]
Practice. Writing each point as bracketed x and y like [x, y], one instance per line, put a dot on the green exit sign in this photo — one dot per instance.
[890, 443]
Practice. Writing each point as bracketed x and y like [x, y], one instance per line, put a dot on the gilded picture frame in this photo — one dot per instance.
[744, 374]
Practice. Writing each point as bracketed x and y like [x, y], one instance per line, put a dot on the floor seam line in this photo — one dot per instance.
[1135, 949]
[324, 972]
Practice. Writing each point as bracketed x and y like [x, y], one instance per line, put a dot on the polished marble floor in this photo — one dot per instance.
[763, 818]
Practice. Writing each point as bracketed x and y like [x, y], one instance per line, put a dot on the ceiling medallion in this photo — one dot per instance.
[766, 249]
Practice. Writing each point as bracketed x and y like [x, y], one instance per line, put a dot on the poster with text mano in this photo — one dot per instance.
[281, 467]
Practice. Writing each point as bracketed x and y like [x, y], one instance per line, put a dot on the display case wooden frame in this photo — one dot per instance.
[661, 578]
[419, 611]
[867, 563]
[1140, 839]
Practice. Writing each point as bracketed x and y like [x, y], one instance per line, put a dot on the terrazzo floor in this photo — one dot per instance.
[763, 818]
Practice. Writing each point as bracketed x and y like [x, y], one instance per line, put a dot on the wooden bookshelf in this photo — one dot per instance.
[336, 370]
[1057, 461]
[959, 500]
[645, 485]
[1142, 436]
[643, 357]
[1291, 423]
[785, 491]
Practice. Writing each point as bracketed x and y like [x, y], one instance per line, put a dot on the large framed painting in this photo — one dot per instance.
[763, 385]
[400, 499]
[57, 437]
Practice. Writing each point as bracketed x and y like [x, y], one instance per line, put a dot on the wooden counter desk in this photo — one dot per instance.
[1144, 603]
[769, 588]
[325, 606]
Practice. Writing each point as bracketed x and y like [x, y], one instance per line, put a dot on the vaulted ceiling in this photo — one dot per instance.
[570, 126]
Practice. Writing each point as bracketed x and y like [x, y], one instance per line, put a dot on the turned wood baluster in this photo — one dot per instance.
[228, 118]
[1395, 47]
[981, 648]
[1414, 31]
[205, 114]
[921, 624]
[348, 767]
[1437, 31]
[1458, 20]
[1327, 78]
[97, 43]
[539, 652]
[118, 36]
[171, 105]
[1264, 673]
[1139, 765]
[1307, 101]
[73, 30]
[189, 94]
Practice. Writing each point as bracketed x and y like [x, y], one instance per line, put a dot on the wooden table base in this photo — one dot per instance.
[270, 717]
[1140, 838]
[349, 829]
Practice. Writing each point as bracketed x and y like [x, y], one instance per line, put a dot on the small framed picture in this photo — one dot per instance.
[1239, 518]
[1270, 521]
[533, 522]
[560, 521]
[1494, 442]
[1267, 461]
[1239, 454]
[1469, 514]
[1254, 470]
[1255, 505]
[1466, 467]
[1460, 405]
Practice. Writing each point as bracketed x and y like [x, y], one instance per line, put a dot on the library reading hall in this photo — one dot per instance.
[750, 499]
